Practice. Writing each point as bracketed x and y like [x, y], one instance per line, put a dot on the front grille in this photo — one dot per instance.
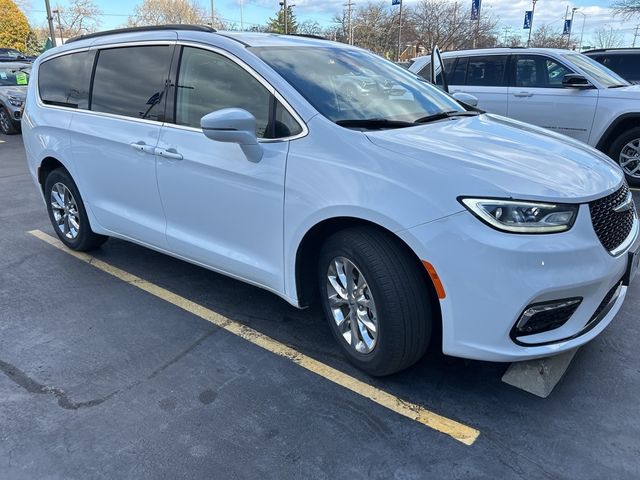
[612, 228]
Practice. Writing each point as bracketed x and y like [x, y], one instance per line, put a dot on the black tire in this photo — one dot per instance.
[7, 125]
[617, 148]
[403, 299]
[85, 239]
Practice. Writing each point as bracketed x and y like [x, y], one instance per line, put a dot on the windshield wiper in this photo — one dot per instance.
[373, 123]
[443, 115]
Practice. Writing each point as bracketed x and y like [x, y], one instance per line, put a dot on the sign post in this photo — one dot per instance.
[530, 14]
[393, 3]
[476, 5]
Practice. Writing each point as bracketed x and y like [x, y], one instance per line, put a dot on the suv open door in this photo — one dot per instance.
[438, 76]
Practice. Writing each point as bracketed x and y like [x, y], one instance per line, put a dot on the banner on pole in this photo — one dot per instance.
[567, 27]
[528, 17]
[395, 2]
[475, 9]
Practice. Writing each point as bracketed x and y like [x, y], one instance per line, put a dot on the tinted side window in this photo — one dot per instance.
[627, 66]
[208, 82]
[457, 76]
[65, 80]
[131, 81]
[538, 71]
[486, 71]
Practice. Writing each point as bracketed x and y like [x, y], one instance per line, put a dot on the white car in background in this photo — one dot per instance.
[560, 90]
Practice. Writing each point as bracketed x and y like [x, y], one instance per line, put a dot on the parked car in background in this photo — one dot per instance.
[14, 78]
[560, 90]
[624, 61]
[13, 55]
[401, 214]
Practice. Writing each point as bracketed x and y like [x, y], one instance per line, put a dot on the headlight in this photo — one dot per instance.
[523, 217]
[16, 101]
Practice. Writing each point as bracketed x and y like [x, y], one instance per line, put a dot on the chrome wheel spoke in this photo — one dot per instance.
[352, 305]
[65, 211]
[630, 158]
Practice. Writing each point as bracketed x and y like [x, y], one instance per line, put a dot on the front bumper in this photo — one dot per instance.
[490, 277]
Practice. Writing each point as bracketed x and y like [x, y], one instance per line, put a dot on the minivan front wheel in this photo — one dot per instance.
[67, 212]
[6, 123]
[376, 300]
[626, 151]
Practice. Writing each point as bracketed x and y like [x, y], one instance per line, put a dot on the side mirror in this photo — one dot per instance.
[233, 125]
[574, 80]
[466, 99]
[437, 73]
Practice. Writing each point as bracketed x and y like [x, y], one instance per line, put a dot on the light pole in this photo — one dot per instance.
[52, 32]
[573, 12]
[213, 18]
[57, 12]
[584, 20]
[399, 32]
[533, 11]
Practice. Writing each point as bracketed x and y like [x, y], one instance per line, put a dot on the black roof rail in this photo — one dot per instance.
[307, 35]
[147, 28]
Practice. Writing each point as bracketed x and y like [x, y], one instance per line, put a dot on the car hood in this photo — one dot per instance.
[20, 92]
[629, 92]
[489, 155]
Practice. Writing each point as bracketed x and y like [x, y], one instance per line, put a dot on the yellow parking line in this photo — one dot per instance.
[456, 430]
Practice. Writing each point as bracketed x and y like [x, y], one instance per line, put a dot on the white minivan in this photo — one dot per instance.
[560, 90]
[401, 211]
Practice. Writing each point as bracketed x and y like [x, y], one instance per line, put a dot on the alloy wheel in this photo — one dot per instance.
[352, 305]
[630, 158]
[65, 211]
[4, 121]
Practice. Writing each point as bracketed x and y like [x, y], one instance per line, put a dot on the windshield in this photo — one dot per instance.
[350, 85]
[11, 77]
[599, 72]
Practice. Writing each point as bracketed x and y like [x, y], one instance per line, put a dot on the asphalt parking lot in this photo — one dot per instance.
[102, 379]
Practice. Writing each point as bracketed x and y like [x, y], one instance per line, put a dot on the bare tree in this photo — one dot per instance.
[159, 12]
[78, 18]
[607, 38]
[310, 27]
[546, 37]
[626, 8]
[449, 26]
[374, 27]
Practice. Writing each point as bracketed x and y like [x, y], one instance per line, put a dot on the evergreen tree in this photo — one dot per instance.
[277, 24]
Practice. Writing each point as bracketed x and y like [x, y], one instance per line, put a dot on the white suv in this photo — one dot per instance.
[397, 208]
[560, 90]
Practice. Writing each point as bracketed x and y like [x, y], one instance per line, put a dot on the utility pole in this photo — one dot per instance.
[349, 6]
[399, 33]
[635, 35]
[57, 12]
[52, 33]
[533, 12]
[241, 15]
[507, 31]
[286, 14]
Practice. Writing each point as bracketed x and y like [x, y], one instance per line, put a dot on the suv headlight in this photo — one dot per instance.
[16, 101]
[523, 217]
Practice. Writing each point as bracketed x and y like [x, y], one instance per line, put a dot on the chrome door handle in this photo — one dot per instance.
[171, 153]
[523, 94]
[142, 147]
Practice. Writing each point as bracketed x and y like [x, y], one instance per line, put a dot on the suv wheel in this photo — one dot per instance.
[7, 125]
[67, 213]
[626, 151]
[376, 300]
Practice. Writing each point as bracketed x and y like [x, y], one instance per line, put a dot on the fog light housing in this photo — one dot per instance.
[545, 316]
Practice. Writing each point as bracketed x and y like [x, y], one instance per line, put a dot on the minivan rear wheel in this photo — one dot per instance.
[67, 212]
[376, 300]
[626, 151]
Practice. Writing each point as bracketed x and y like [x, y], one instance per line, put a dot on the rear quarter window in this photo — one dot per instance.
[64, 80]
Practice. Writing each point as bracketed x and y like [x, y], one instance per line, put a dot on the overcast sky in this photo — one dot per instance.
[510, 13]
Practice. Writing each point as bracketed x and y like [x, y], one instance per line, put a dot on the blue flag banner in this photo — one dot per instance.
[567, 27]
[528, 17]
[396, 2]
[475, 9]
